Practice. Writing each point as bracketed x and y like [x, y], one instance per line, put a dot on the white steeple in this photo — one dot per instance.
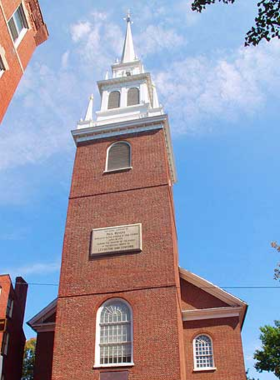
[128, 54]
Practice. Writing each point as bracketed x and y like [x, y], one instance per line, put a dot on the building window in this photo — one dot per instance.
[114, 334]
[203, 352]
[114, 100]
[5, 343]
[118, 156]
[133, 96]
[17, 22]
[10, 306]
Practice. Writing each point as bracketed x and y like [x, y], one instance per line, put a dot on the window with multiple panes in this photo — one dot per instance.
[10, 306]
[2, 66]
[133, 96]
[17, 22]
[203, 352]
[5, 343]
[115, 331]
[118, 156]
[114, 100]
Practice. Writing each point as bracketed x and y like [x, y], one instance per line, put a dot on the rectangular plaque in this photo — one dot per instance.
[119, 239]
[114, 375]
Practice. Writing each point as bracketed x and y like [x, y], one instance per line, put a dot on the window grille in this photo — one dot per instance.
[17, 22]
[118, 156]
[133, 96]
[115, 333]
[114, 100]
[203, 352]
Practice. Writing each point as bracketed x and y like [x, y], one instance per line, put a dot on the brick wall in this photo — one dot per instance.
[44, 355]
[148, 280]
[12, 362]
[17, 57]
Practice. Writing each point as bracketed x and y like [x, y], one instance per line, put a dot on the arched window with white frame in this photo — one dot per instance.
[114, 100]
[133, 96]
[203, 352]
[118, 156]
[114, 334]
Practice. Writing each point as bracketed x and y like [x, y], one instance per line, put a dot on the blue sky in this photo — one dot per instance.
[223, 104]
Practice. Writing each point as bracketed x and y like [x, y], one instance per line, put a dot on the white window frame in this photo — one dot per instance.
[22, 32]
[10, 307]
[139, 92]
[107, 157]
[6, 343]
[4, 62]
[97, 363]
[120, 99]
[196, 368]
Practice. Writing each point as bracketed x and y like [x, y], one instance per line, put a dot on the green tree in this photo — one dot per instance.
[268, 357]
[277, 269]
[29, 359]
[267, 21]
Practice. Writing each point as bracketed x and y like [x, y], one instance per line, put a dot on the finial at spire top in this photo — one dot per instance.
[128, 17]
[128, 54]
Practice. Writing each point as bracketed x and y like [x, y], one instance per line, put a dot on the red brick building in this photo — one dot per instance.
[125, 310]
[22, 30]
[12, 338]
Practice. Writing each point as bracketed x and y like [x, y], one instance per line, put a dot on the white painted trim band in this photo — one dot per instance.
[217, 312]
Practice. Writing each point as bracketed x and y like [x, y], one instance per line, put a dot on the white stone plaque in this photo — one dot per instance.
[119, 239]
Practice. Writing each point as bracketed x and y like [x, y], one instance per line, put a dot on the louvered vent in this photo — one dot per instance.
[133, 96]
[118, 156]
[114, 100]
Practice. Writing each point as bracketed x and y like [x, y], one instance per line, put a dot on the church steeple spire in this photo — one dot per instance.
[128, 54]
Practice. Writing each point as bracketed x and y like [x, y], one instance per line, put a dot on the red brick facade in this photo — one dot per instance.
[12, 307]
[164, 299]
[16, 55]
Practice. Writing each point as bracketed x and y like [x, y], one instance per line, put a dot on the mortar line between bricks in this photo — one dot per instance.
[120, 291]
[118, 191]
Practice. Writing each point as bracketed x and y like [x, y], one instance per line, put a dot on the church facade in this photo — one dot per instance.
[125, 309]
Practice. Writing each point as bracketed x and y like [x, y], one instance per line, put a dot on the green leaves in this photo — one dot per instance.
[267, 21]
[268, 357]
[29, 359]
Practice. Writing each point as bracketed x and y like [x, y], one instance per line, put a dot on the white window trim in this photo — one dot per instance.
[5, 63]
[97, 336]
[116, 108]
[22, 33]
[107, 156]
[133, 105]
[198, 369]
[6, 345]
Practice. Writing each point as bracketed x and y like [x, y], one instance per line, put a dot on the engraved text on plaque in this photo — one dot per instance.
[120, 239]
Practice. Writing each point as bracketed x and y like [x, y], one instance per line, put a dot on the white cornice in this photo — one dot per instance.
[44, 314]
[82, 135]
[215, 291]
[217, 312]
[44, 327]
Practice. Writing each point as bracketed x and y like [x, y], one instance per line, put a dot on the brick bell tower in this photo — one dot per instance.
[118, 310]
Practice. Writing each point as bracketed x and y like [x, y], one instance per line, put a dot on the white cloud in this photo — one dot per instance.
[34, 269]
[157, 38]
[199, 89]
[80, 30]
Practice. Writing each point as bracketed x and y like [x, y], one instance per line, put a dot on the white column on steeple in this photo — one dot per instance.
[128, 54]
[155, 97]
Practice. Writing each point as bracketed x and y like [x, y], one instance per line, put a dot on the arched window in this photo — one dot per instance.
[114, 333]
[114, 100]
[203, 352]
[118, 156]
[133, 96]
